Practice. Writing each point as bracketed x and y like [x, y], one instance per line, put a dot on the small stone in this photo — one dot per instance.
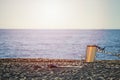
[24, 78]
[57, 78]
[100, 78]
[89, 78]
[51, 72]
[51, 66]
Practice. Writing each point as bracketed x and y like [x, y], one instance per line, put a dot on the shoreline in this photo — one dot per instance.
[49, 59]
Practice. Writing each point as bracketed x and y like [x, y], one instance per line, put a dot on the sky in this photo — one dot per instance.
[60, 14]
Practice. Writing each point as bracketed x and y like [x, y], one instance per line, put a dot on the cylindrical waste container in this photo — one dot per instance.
[91, 53]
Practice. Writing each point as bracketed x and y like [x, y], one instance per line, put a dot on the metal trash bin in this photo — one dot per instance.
[91, 53]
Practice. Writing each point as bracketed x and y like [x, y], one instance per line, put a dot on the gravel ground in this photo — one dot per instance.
[56, 69]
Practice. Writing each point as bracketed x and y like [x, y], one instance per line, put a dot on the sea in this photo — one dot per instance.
[58, 44]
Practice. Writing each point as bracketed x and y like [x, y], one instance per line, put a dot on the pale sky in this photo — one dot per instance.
[60, 14]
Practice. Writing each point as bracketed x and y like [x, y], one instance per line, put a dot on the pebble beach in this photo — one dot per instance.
[58, 69]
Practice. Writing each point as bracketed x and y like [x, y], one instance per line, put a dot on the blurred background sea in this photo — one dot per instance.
[62, 44]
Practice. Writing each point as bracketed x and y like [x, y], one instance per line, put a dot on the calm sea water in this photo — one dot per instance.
[65, 44]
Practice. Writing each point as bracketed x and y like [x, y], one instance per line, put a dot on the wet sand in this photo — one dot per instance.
[58, 69]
